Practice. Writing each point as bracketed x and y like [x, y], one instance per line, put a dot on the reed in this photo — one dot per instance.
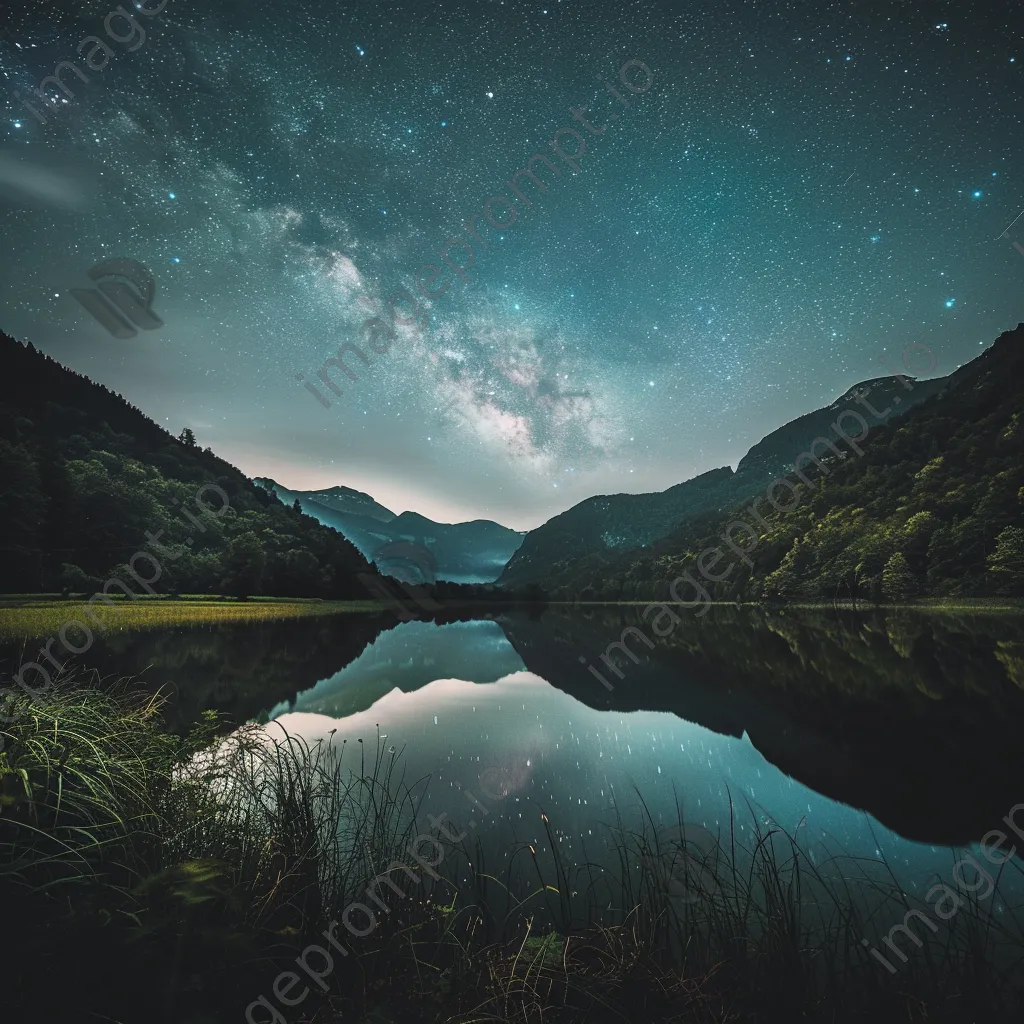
[165, 878]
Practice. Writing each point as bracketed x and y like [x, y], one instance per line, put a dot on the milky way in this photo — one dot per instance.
[802, 190]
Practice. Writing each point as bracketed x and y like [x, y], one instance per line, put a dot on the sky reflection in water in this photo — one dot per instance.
[457, 701]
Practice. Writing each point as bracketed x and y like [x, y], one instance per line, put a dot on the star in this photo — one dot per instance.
[687, 246]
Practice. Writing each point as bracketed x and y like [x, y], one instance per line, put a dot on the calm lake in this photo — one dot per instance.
[881, 734]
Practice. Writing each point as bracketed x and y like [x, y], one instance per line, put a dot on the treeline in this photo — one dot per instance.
[397, 593]
[933, 507]
[88, 481]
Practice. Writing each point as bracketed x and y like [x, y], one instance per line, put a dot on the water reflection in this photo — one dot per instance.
[913, 717]
[746, 719]
[240, 669]
[500, 755]
[406, 658]
[909, 716]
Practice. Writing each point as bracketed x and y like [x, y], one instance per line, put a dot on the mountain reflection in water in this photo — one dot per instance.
[797, 719]
[811, 716]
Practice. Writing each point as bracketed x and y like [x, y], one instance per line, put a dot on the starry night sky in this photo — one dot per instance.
[805, 188]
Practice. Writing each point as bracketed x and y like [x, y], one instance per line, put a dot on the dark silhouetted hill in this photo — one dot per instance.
[89, 480]
[933, 507]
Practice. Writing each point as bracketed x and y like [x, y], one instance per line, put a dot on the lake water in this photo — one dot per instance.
[884, 734]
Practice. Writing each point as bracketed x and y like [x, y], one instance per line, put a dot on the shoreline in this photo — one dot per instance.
[26, 617]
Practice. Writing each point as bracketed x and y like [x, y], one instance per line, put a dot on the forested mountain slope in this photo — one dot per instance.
[89, 480]
[934, 506]
[600, 529]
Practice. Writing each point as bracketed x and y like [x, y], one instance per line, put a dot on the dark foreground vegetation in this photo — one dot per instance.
[148, 877]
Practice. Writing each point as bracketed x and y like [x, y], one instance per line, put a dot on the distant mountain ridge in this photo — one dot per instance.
[346, 499]
[605, 524]
[473, 552]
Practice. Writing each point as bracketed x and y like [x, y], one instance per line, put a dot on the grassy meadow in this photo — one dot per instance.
[32, 617]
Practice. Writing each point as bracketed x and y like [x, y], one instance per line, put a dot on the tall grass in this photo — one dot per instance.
[170, 879]
[303, 827]
[82, 775]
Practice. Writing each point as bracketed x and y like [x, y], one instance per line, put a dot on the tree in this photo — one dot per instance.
[785, 582]
[898, 582]
[303, 576]
[297, 507]
[23, 509]
[74, 580]
[1006, 563]
[187, 438]
[917, 534]
[244, 564]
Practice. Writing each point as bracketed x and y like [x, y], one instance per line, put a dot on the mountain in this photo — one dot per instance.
[880, 710]
[773, 456]
[409, 547]
[612, 522]
[929, 504]
[341, 499]
[91, 483]
[598, 529]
